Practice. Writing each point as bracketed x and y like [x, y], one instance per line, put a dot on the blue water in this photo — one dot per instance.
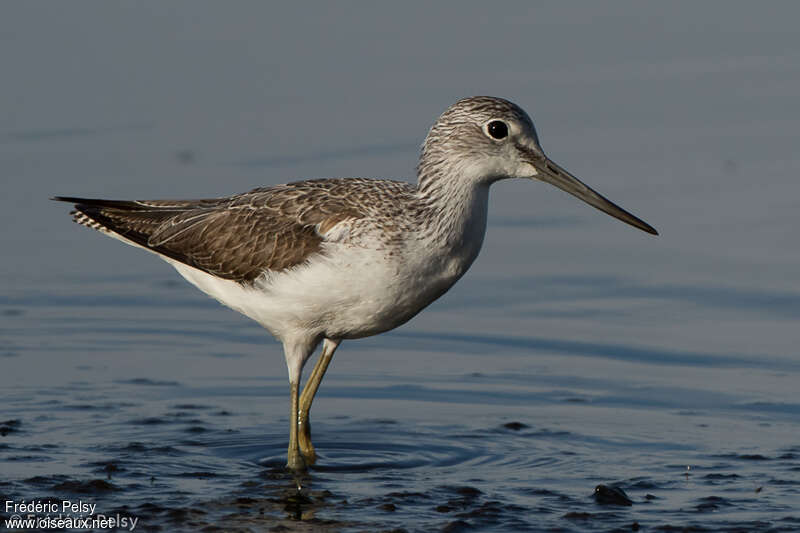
[577, 351]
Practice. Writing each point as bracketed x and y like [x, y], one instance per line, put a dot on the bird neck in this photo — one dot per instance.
[456, 209]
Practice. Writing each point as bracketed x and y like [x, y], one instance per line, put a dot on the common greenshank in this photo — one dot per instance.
[323, 260]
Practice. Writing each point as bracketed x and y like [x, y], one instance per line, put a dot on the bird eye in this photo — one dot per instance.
[497, 129]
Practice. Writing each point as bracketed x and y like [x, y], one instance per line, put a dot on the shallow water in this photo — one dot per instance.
[171, 409]
[577, 352]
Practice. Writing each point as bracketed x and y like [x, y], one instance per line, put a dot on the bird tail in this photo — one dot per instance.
[133, 222]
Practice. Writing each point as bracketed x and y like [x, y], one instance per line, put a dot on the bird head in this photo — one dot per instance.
[483, 139]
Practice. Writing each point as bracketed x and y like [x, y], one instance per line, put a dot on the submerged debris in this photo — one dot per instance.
[605, 495]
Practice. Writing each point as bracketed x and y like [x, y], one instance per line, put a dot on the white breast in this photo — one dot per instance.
[358, 289]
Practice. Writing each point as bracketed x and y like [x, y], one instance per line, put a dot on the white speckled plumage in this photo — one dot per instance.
[341, 259]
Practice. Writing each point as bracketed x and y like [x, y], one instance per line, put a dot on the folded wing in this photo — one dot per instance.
[237, 238]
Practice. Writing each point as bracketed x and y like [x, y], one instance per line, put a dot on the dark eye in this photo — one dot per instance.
[497, 129]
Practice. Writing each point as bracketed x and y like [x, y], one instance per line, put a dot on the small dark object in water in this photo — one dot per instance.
[110, 468]
[515, 426]
[468, 492]
[389, 507]
[9, 426]
[606, 495]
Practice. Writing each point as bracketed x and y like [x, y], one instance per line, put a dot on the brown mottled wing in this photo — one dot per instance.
[236, 238]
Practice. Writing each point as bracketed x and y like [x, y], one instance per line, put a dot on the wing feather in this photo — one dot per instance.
[238, 237]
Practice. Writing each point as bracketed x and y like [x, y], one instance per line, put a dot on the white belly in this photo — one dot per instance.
[351, 292]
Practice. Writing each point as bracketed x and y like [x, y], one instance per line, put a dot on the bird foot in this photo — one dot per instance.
[296, 463]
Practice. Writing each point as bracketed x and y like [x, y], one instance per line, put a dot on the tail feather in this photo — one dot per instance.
[133, 221]
[97, 202]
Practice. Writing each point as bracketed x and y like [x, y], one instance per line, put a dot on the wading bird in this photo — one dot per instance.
[323, 260]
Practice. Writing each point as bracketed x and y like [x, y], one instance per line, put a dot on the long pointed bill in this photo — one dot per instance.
[552, 173]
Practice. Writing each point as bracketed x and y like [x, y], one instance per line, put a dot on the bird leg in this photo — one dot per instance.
[295, 462]
[309, 390]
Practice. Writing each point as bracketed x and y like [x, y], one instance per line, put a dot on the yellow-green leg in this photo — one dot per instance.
[295, 461]
[312, 385]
